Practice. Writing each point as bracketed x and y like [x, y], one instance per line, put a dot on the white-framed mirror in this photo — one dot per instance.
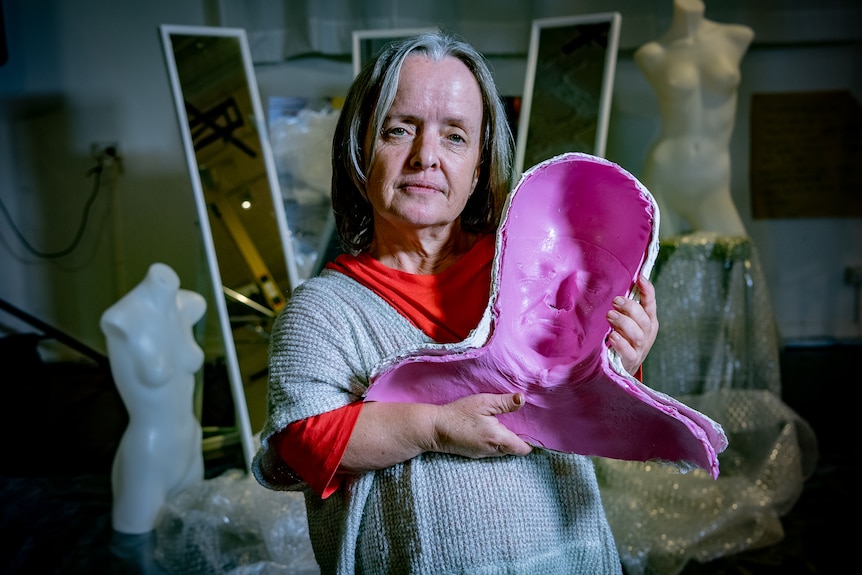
[240, 209]
[568, 86]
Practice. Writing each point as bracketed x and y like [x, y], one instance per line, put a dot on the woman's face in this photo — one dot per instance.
[427, 154]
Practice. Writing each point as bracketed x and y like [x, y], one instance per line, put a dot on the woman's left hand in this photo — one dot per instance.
[635, 326]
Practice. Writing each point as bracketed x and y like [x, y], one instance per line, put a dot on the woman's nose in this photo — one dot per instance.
[424, 152]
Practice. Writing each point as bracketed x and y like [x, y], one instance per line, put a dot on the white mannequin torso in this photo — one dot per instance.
[153, 358]
[694, 70]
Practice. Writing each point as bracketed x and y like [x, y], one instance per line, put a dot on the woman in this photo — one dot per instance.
[421, 162]
[694, 69]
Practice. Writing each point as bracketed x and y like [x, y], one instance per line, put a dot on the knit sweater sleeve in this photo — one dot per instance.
[325, 342]
[314, 446]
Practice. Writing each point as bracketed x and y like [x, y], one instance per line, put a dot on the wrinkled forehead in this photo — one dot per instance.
[580, 200]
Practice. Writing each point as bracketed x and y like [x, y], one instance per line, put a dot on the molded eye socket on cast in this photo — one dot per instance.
[562, 298]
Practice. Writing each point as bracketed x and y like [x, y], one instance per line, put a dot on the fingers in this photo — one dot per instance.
[473, 430]
[635, 325]
[629, 320]
[509, 402]
[508, 443]
[513, 448]
[647, 300]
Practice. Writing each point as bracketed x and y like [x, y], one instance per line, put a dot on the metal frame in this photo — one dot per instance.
[244, 427]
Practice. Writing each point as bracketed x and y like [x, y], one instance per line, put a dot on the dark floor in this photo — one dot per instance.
[61, 424]
[822, 528]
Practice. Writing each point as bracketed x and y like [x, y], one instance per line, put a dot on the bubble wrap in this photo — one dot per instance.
[232, 525]
[716, 328]
[717, 351]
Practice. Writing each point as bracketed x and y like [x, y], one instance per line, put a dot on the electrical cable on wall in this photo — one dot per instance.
[107, 157]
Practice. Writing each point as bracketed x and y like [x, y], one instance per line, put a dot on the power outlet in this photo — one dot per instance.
[105, 152]
[107, 156]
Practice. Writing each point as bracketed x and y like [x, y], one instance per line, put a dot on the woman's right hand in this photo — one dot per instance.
[389, 433]
[469, 426]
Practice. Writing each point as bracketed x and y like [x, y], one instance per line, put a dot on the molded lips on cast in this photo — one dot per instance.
[576, 231]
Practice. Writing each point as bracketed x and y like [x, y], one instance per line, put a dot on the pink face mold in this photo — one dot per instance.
[576, 231]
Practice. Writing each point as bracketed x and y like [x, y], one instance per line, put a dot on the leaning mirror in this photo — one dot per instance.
[240, 208]
[568, 86]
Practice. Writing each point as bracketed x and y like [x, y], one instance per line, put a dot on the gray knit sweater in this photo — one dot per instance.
[435, 513]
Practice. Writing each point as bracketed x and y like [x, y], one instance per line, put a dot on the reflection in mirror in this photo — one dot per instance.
[240, 209]
[300, 133]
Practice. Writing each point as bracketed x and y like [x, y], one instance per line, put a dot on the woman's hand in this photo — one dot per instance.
[469, 426]
[635, 326]
[389, 433]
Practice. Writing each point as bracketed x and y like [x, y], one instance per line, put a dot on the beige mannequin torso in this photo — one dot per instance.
[694, 69]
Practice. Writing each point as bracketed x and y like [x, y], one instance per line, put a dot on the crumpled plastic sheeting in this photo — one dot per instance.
[232, 525]
[302, 148]
[717, 351]
[661, 520]
[716, 325]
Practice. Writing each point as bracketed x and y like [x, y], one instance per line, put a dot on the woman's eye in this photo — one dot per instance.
[397, 131]
[457, 138]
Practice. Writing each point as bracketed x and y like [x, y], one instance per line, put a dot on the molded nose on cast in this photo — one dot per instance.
[577, 231]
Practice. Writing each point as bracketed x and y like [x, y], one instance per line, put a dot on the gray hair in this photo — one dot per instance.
[364, 111]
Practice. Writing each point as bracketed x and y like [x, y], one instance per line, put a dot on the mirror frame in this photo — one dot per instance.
[243, 422]
[602, 92]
